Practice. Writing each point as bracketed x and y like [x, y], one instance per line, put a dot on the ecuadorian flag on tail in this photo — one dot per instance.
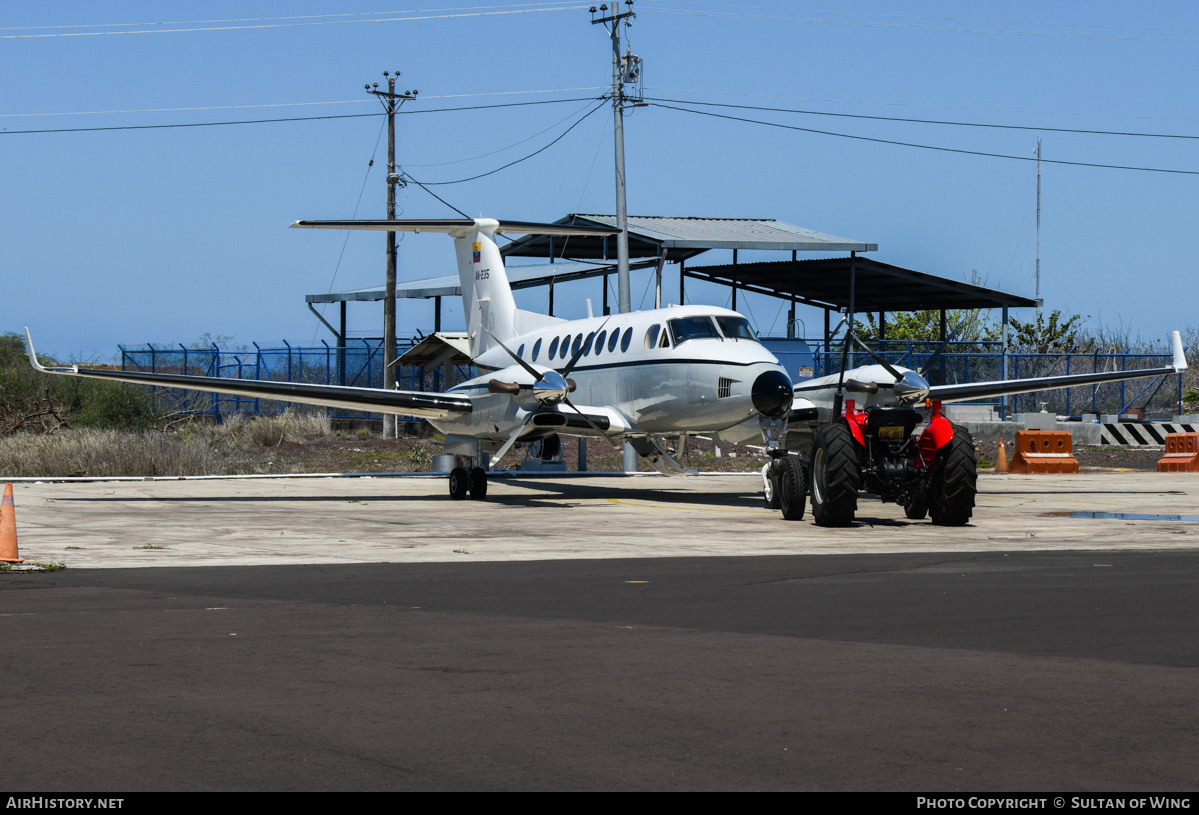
[477, 247]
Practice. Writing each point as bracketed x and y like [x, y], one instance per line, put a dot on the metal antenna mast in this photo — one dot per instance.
[391, 102]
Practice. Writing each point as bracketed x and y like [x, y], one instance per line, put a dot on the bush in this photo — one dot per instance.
[34, 402]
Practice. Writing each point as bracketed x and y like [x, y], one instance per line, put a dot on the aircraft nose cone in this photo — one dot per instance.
[772, 394]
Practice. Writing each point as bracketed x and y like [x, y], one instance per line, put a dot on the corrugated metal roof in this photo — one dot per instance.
[878, 286]
[683, 238]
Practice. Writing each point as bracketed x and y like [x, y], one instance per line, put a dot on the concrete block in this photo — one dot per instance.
[1037, 421]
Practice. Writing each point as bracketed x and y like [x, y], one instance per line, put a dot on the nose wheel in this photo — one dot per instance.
[472, 482]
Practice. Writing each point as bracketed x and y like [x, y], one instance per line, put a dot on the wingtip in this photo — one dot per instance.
[1180, 360]
[32, 354]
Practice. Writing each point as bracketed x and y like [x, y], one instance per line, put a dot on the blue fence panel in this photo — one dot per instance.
[360, 362]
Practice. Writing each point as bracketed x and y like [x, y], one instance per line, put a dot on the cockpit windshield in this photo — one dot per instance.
[693, 328]
[737, 328]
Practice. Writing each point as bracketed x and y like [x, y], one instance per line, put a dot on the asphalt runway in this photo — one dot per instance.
[1023, 652]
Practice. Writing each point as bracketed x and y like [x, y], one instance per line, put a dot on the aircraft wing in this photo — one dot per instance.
[408, 403]
[978, 390]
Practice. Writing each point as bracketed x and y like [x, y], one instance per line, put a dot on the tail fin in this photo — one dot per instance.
[487, 301]
[486, 294]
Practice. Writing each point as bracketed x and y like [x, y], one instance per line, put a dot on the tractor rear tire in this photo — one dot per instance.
[836, 475]
[954, 481]
[792, 487]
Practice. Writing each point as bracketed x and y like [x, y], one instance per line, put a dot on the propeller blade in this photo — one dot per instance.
[928, 366]
[582, 349]
[890, 369]
[594, 426]
[537, 376]
[511, 440]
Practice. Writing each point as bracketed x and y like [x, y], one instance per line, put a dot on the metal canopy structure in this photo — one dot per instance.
[878, 286]
[845, 283]
[679, 239]
[521, 277]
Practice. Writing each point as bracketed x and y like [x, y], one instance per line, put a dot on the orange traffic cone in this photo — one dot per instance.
[8, 529]
[1001, 458]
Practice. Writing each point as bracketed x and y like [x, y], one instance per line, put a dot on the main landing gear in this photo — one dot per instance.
[473, 481]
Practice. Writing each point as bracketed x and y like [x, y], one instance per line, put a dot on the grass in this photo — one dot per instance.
[194, 449]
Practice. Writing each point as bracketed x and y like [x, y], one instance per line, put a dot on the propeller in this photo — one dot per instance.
[877, 358]
[549, 388]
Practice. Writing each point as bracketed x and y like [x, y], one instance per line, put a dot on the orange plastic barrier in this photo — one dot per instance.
[1182, 454]
[1043, 451]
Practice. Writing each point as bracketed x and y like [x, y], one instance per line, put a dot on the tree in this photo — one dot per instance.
[1055, 336]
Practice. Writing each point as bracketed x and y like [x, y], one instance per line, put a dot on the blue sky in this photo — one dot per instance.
[168, 234]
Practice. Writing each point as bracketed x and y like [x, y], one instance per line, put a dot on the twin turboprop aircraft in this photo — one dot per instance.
[641, 376]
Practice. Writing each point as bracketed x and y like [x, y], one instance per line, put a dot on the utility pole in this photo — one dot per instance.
[1038, 221]
[391, 103]
[624, 295]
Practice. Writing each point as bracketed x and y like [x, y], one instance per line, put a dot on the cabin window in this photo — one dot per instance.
[536, 349]
[564, 349]
[626, 340]
[587, 345]
[553, 348]
[693, 328]
[599, 342]
[614, 339]
[574, 349]
[736, 328]
[520, 352]
[651, 336]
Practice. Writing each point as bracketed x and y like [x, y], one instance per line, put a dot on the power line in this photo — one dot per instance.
[935, 107]
[265, 25]
[929, 121]
[291, 118]
[920, 17]
[519, 160]
[912, 27]
[929, 146]
[298, 104]
[262, 19]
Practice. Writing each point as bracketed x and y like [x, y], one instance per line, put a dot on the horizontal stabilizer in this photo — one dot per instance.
[459, 227]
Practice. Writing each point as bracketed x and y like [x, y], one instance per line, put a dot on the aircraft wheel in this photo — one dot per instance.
[770, 485]
[954, 481]
[458, 483]
[478, 483]
[793, 488]
[835, 476]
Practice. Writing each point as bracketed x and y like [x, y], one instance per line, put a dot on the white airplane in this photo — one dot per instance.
[665, 372]
[627, 377]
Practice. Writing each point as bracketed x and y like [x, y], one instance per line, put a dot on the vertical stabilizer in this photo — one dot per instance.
[486, 294]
